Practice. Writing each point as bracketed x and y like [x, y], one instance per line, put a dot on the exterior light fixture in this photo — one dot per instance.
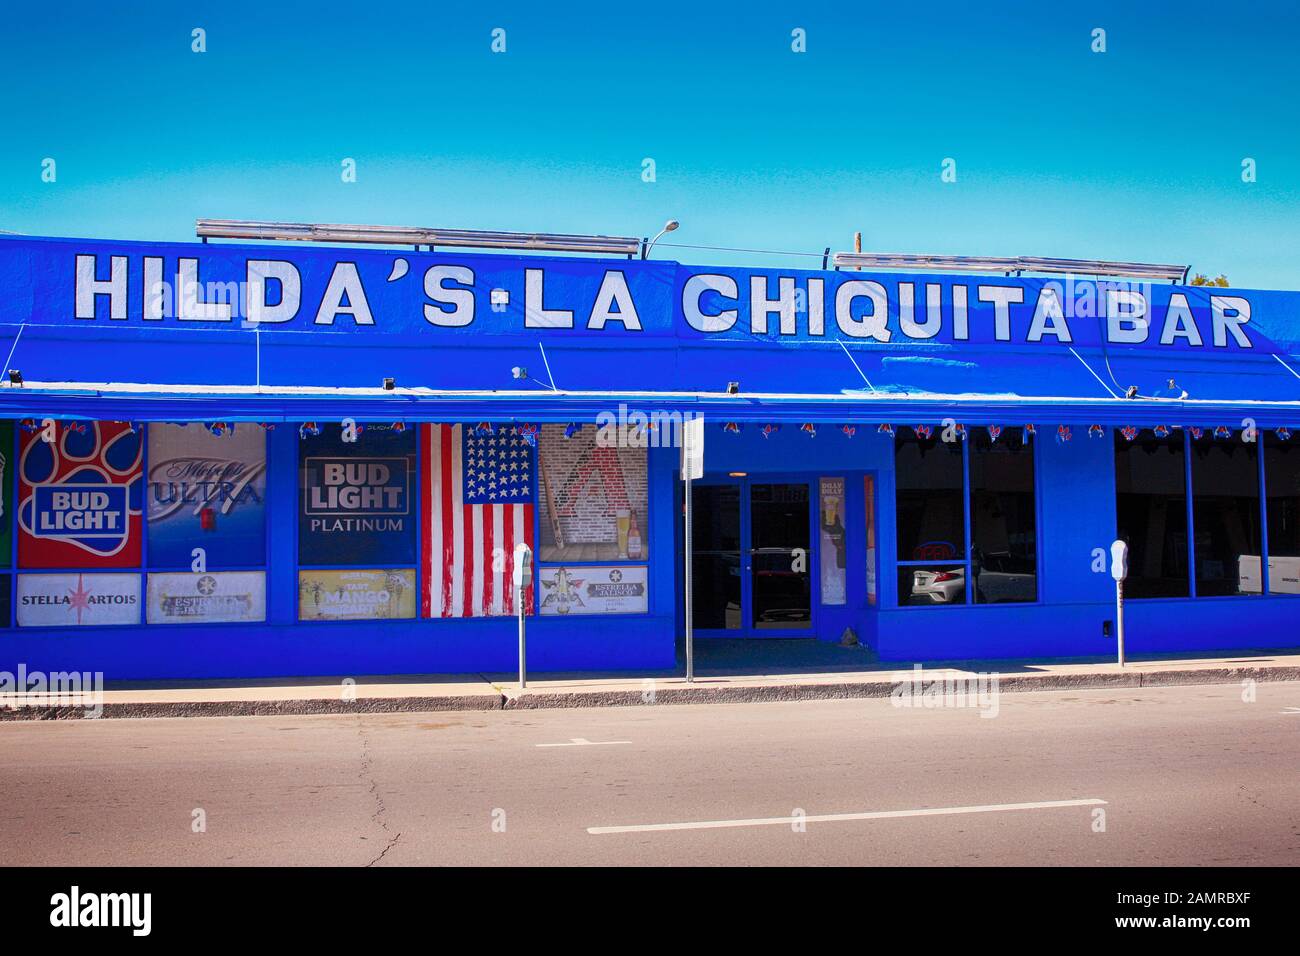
[15, 377]
[519, 372]
[733, 388]
[207, 229]
[670, 226]
[390, 384]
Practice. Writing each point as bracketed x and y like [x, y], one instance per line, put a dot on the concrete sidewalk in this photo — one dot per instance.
[800, 671]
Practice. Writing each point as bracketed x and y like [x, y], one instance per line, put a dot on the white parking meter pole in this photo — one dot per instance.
[686, 586]
[692, 467]
[522, 576]
[1119, 571]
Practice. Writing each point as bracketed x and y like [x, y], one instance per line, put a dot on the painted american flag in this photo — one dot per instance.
[479, 491]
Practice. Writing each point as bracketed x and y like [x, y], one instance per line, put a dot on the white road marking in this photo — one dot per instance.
[838, 817]
[1290, 710]
[584, 742]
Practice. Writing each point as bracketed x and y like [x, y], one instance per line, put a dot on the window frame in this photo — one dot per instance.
[966, 562]
[1189, 496]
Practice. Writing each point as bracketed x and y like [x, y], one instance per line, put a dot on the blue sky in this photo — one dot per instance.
[1134, 153]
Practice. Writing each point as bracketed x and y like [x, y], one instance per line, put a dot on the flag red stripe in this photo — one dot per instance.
[447, 527]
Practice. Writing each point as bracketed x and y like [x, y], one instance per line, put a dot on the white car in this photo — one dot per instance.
[940, 586]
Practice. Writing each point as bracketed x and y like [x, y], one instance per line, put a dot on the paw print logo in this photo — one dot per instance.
[85, 455]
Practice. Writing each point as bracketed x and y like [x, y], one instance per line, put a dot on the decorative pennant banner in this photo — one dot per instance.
[923, 431]
[29, 425]
[1129, 432]
[1161, 431]
[399, 427]
[483, 430]
[572, 429]
[528, 433]
[961, 431]
[1063, 434]
[849, 430]
[767, 430]
[79, 427]
[1283, 433]
[266, 426]
[810, 428]
[1222, 431]
[995, 432]
[1028, 432]
[1196, 431]
[220, 428]
[1096, 431]
[733, 427]
[308, 430]
[885, 430]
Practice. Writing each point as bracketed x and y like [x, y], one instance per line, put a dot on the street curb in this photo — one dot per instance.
[1007, 683]
[265, 708]
[700, 693]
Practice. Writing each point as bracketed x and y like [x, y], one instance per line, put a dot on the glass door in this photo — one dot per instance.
[716, 563]
[780, 538]
[751, 571]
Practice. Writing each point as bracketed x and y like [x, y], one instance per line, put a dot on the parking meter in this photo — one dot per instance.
[521, 576]
[1119, 560]
[1119, 571]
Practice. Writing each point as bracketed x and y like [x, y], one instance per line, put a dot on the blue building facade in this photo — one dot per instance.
[258, 460]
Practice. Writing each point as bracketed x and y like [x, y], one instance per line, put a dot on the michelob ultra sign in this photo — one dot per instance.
[79, 496]
[206, 491]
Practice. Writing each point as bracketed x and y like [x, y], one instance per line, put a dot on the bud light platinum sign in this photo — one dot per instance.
[356, 496]
[79, 496]
[207, 491]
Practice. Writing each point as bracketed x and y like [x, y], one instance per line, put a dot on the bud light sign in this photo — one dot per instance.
[356, 497]
[80, 511]
[79, 496]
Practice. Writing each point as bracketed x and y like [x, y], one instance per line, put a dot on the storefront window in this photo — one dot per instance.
[206, 516]
[206, 491]
[356, 523]
[929, 489]
[79, 524]
[593, 499]
[1282, 480]
[1225, 516]
[1151, 514]
[1004, 545]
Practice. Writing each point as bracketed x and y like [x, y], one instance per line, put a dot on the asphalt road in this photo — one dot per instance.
[1189, 775]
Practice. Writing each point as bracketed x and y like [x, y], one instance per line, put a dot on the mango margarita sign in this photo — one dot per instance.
[364, 293]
